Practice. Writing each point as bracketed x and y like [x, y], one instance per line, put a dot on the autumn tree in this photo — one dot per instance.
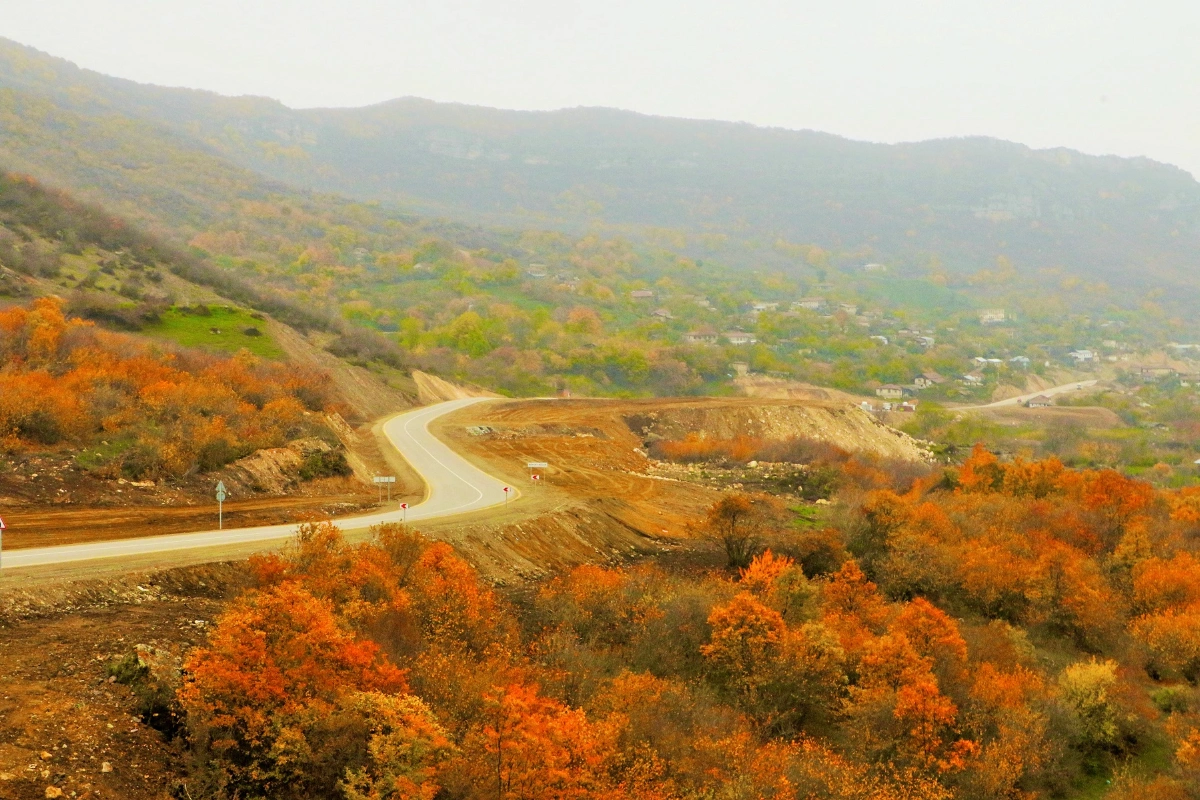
[263, 696]
[740, 522]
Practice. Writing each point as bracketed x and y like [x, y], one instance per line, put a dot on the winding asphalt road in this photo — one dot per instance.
[452, 486]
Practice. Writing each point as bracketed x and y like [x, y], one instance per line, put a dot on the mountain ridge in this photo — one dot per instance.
[956, 204]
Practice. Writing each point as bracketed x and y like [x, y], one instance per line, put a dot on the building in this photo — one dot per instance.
[849, 308]
[1081, 356]
[758, 308]
[1154, 372]
[973, 379]
[740, 337]
[810, 303]
[928, 379]
[642, 294]
[700, 337]
[873, 267]
[883, 340]
[1022, 362]
[890, 391]
[991, 316]
[662, 313]
[1041, 401]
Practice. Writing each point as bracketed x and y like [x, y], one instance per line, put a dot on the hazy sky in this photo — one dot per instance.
[1102, 76]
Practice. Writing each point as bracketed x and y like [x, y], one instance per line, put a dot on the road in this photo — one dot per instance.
[1073, 386]
[452, 486]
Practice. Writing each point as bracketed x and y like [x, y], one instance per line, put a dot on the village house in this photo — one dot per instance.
[700, 337]
[890, 391]
[662, 313]
[758, 308]
[928, 379]
[1081, 356]
[1020, 361]
[849, 308]
[873, 267]
[740, 337]
[1153, 372]
[991, 316]
[810, 303]
[1041, 401]
[973, 379]
[642, 294]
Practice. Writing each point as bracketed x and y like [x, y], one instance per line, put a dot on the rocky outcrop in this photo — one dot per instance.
[275, 469]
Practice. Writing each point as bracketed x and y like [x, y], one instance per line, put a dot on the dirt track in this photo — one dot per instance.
[43, 527]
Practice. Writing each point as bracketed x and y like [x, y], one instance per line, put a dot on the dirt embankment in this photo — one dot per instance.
[432, 389]
[765, 386]
[849, 428]
[66, 730]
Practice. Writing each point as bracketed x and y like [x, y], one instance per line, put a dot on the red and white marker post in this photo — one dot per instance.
[1, 539]
[506, 491]
[404, 508]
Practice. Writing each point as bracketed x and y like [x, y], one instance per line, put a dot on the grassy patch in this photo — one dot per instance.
[223, 328]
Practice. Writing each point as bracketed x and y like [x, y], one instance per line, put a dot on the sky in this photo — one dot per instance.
[1101, 76]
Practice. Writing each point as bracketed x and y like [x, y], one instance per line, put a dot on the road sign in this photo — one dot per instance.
[506, 491]
[221, 495]
[1, 524]
[1, 537]
[383, 480]
[535, 477]
[537, 465]
[404, 508]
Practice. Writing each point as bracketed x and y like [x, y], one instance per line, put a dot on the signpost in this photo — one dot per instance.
[534, 466]
[404, 508]
[385, 480]
[1, 538]
[506, 491]
[221, 505]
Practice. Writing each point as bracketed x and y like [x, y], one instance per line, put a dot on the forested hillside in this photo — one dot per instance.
[993, 632]
[956, 204]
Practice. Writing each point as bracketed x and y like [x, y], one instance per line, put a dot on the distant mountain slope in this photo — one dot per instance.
[960, 202]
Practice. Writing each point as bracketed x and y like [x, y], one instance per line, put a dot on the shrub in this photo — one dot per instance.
[324, 465]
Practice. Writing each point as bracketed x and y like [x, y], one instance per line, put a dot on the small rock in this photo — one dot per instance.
[105, 766]
[46, 755]
[53, 791]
